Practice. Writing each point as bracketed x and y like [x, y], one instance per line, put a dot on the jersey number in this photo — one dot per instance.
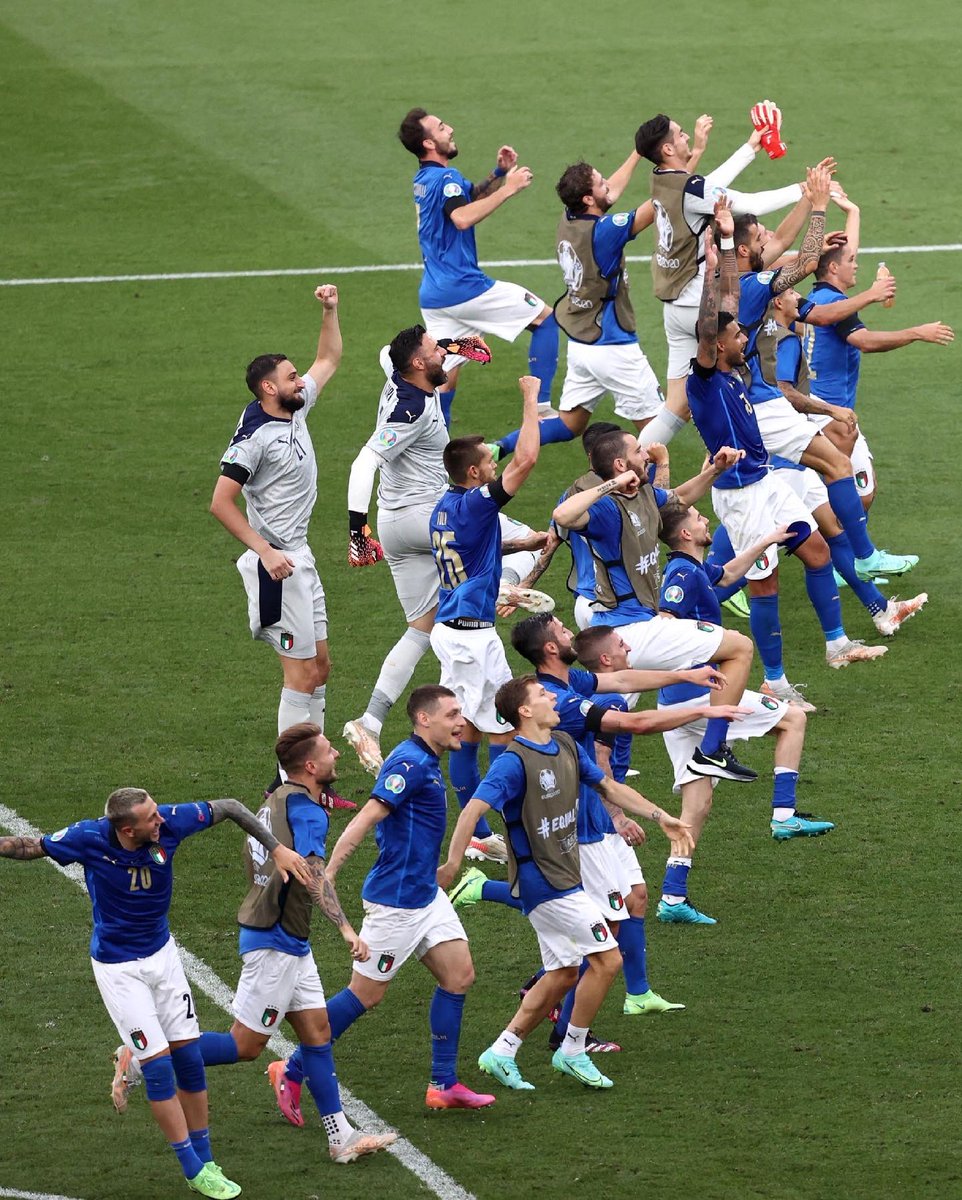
[139, 878]
[448, 559]
[190, 1005]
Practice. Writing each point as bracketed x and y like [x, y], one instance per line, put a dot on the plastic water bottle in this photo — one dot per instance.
[884, 273]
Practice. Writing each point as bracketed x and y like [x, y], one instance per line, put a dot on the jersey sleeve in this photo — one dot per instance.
[609, 702]
[714, 571]
[70, 845]
[680, 592]
[309, 824]
[504, 782]
[184, 820]
[392, 438]
[397, 781]
[661, 496]
[788, 358]
[589, 771]
[611, 234]
[480, 503]
[242, 458]
[310, 395]
[455, 192]
[757, 289]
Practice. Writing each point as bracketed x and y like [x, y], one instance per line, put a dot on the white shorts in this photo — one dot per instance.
[630, 865]
[682, 742]
[405, 534]
[604, 879]
[394, 934]
[583, 612]
[748, 513]
[569, 929]
[473, 666]
[273, 984]
[521, 563]
[680, 322]
[290, 614]
[861, 456]
[807, 486]
[149, 1000]
[504, 310]
[622, 370]
[784, 429]
[670, 644]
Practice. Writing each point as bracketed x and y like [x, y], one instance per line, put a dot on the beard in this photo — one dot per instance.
[567, 655]
[606, 204]
[437, 376]
[755, 261]
[451, 151]
[291, 404]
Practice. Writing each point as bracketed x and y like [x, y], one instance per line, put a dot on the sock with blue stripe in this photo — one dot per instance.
[188, 1158]
[783, 793]
[447, 1009]
[343, 1009]
[499, 892]
[675, 883]
[820, 585]
[551, 430]
[843, 560]
[568, 1004]
[200, 1140]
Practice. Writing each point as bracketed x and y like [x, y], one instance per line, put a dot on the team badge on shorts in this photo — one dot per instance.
[615, 901]
[287, 640]
[762, 563]
[532, 300]
[139, 1038]
[600, 932]
[861, 479]
[385, 963]
[768, 703]
[269, 1017]
[158, 854]
[705, 627]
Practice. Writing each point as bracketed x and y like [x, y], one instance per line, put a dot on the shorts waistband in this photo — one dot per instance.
[468, 623]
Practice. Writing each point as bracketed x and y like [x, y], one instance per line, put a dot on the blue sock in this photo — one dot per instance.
[190, 1163]
[551, 430]
[820, 585]
[295, 1068]
[847, 506]
[499, 892]
[217, 1048]
[676, 879]
[343, 1009]
[633, 945]
[720, 552]
[447, 399]
[843, 560]
[715, 733]
[543, 356]
[447, 1009]
[766, 629]
[783, 795]
[200, 1140]
[465, 777]
[319, 1068]
[568, 1004]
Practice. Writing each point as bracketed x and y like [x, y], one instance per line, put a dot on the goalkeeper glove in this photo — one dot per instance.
[767, 119]
[473, 348]
[363, 550]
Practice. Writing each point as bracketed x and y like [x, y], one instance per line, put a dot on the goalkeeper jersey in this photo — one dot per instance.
[409, 445]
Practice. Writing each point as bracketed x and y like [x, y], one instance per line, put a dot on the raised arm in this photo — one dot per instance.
[817, 191]
[507, 157]
[529, 439]
[874, 341]
[573, 512]
[515, 180]
[736, 567]
[707, 354]
[632, 680]
[287, 861]
[329, 344]
[692, 490]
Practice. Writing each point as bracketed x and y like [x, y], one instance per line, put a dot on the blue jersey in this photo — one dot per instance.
[466, 540]
[619, 744]
[129, 889]
[609, 237]
[409, 840]
[756, 291]
[581, 719]
[451, 271]
[688, 592]
[603, 531]
[833, 365]
[504, 788]
[724, 416]
[309, 825]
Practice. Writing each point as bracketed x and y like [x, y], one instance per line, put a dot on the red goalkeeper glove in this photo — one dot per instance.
[767, 119]
[471, 347]
[364, 550]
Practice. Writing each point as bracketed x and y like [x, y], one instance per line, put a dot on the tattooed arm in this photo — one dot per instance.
[21, 848]
[707, 354]
[817, 191]
[287, 861]
[322, 892]
[544, 559]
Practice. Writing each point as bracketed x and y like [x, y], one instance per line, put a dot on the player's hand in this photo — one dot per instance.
[883, 289]
[627, 482]
[657, 454]
[288, 862]
[537, 539]
[631, 832]
[935, 332]
[358, 948]
[363, 550]
[327, 294]
[833, 240]
[725, 457]
[766, 117]
[781, 533]
[679, 834]
[724, 218]
[471, 347]
[841, 198]
[517, 179]
[445, 876]
[727, 712]
[817, 186]
[707, 676]
[711, 251]
[277, 564]
[530, 386]
[845, 416]
[702, 130]
[511, 606]
[507, 157]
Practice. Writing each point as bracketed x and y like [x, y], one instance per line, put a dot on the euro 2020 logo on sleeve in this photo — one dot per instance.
[395, 784]
[674, 594]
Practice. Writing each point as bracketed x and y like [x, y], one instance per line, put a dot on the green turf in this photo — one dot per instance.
[817, 1054]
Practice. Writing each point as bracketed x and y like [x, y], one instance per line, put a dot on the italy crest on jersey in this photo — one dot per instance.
[158, 854]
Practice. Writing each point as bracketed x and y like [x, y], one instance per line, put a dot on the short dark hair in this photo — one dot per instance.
[530, 636]
[673, 516]
[411, 133]
[510, 696]
[832, 255]
[462, 453]
[596, 430]
[743, 228]
[404, 347]
[259, 369]
[293, 748]
[651, 136]
[574, 185]
[587, 644]
[604, 452]
[426, 699]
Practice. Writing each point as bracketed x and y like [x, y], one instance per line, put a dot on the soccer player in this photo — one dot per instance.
[456, 296]
[535, 786]
[406, 913]
[127, 856]
[466, 536]
[746, 497]
[619, 518]
[684, 203]
[271, 460]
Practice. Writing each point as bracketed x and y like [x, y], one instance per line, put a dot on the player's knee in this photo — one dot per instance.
[638, 900]
[188, 1065]
[567, 977]
[461, 979]
[737, 645]
[609, 963]
[159, 1078]
[794, 719]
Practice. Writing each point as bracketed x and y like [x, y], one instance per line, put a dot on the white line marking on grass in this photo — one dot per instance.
[418, 1163]
[324, 272]
[32, 1195]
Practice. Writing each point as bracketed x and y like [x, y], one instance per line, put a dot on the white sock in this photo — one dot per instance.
[337, 1127]
[507, 1045]
[318, 705]
[833, 644]
[574, 1043]
[782, 814]
[661, 428]
[780, 682]
[293, 708]
[671, 901]
[396, 672]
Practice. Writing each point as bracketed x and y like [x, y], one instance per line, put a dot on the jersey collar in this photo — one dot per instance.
[681, 554]
[548, 747]
[422, 744]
